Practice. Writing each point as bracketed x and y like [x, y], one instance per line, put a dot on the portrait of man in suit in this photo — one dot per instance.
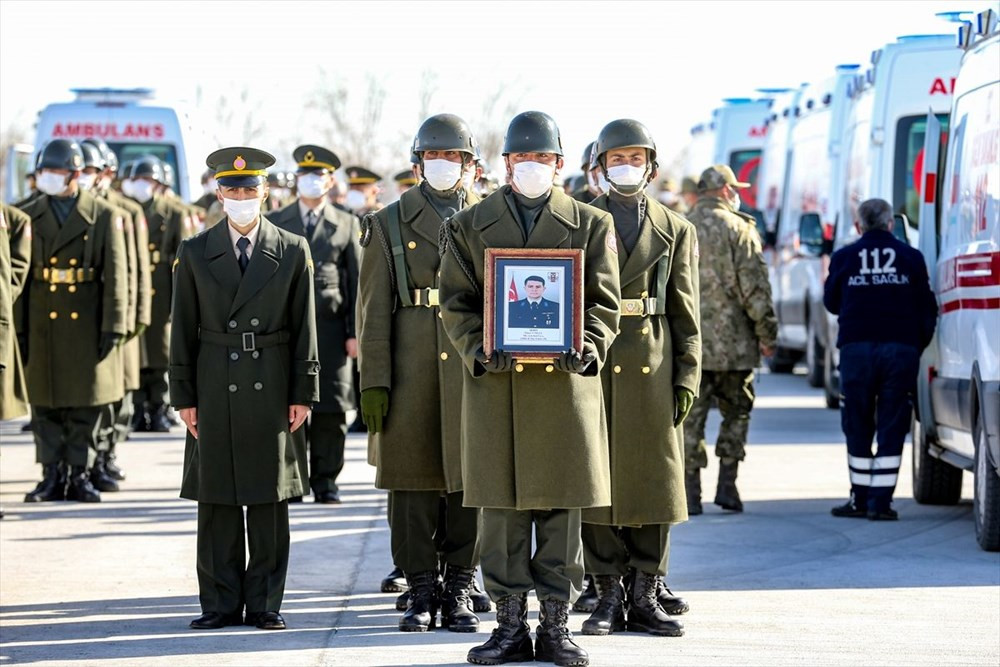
[534, 311]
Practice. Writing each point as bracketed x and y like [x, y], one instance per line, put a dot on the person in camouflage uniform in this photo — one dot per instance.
[738, 324]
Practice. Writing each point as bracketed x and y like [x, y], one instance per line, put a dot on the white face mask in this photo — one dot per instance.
[602, 183]
[241, 211]
[355, 200]
[626, 179]
[312, 186]
[87, 181]
[127, 189]
[533, 179]
[442, 175]
[142, 191]
[468, 177]
[104, 184]
[735, 201]
[51, 183]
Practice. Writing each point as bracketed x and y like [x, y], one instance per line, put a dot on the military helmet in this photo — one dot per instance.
[444, 132]
[110, 159]
[148, 166]
[414, 155]
[585, 161]
[60, 154]
[92, 155]
[623, 133]
[532, 132]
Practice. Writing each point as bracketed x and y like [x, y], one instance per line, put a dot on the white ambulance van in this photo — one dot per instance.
[771, 177]
[20, 163]
[813, 182]
[132, 126]
[957, 424]
[883, 145]
[735, 136]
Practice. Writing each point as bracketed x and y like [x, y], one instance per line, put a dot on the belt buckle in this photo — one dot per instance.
[63, 276]
[634, 306]
[432, 298]
[249, 342]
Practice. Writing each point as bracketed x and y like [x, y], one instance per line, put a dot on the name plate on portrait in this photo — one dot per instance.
[533, 302]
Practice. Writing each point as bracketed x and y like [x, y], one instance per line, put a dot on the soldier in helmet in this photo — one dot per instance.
[651, 371]
[739, 325]
[333, 241]
[168, 226]
[77, 316]
[592, 186]
[411, 385]
[140, 303]
[522, 423]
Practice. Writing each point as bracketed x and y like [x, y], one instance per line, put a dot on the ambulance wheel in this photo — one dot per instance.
[986, 496]
[782, 361]
[934, 481]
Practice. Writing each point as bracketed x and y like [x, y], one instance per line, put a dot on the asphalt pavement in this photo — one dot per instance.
[784, 583]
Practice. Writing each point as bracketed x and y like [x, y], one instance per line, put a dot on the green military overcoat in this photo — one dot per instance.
[13, 391]
[534, 438]
[65, 321]
[406, 350]
[168, 226]
[140, 298]
[336, 255]
[243, 385]
[651, 356]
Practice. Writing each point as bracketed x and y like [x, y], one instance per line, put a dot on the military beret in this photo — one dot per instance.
[239, 166]
[309, 158]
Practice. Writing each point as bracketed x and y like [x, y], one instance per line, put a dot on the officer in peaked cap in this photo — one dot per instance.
[362, 195]
[77, 316]
[333, 238]
[405, 180]
[244, 372]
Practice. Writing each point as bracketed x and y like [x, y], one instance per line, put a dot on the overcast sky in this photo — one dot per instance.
[585, 63]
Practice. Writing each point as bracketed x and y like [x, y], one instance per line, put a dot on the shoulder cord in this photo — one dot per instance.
[446, 242]
[368, 224]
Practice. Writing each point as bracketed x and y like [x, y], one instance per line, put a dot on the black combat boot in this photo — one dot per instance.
[553, 640]
[480, 600]
[610, 613]
[394, 582]
[456, 603]
[511, 640]
[158, 422]
[111, 465]
[672, 604]
[79, 487]
[140, 419]
[422, 607]
[644, 611]
[52, 486]
[99, 475]
[726, 495]
[587, 602]
[692, 483]
[403, 601]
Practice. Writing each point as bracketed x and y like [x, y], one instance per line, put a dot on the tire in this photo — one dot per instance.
[986, 497]
[782, 361]
[934, 481]
[831, 393]
[814, 360]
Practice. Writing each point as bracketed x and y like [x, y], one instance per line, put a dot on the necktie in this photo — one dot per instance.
[310, 224]
[243, 243]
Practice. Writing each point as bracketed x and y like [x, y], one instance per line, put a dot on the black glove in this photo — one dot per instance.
[572, 362]
[498, 362]
[108, 342]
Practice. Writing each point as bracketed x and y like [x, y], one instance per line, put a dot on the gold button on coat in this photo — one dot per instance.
[549, 368]
[74, 315]
[617, 369]
[53, 315]
[52, 288]
[71, 289]
[519, 368]
[411, 245]
[645, 370]
[72, 261]
[444, 356]
[53, 260]
[644, 331]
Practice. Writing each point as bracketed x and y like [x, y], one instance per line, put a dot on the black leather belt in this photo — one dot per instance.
[247, 341]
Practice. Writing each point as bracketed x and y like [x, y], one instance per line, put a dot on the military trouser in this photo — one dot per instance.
[152, 391]
[614, 549]
[123, 420]
[226, 582]
[733, 390]
[106, 427]
[555, 570]
[414, 525]
[66, 434]
[877, 381]
[325, 433]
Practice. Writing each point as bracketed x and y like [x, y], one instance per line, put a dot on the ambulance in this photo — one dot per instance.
[735, 136]
[132, 125]
[771, 177]
[812, 184]
[957, 422]
[882, 147]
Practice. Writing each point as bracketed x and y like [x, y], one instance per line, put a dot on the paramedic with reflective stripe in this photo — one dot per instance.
[879, 290]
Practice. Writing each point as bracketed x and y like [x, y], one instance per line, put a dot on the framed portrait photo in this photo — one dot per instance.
[533, 302]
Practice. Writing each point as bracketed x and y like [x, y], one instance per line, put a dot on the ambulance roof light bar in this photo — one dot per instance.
[119, 95]
[986, 23]
[847, 67]
[954, 16]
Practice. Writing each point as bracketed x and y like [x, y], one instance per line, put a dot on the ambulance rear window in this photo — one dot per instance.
[909, 158]
[165, 152]
[745, 164]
